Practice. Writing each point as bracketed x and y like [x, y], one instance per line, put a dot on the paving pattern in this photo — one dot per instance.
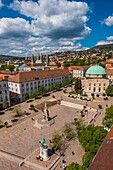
[22, 139]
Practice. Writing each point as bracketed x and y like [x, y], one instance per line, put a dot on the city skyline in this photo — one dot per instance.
[50, 26]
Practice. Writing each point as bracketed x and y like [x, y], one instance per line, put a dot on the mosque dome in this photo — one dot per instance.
[37, 61]
[96, 70]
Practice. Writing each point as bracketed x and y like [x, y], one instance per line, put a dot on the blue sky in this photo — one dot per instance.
[48, 26]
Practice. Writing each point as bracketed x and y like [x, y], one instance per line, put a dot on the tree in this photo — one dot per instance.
[34, 93]
[79, 123]
[57, 140]
[42, 90]
[17, 111]
[108, 119]
[75, 166]
[5, 104]
[55, 86]
[26, 96]
[1, 123]
[68, 131]
[91, 138]
[109, 91]
[78, 85]
[87, 159]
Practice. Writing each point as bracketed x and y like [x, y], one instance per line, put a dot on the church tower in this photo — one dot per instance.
[47, 59]
[38, 57]
[32, 59]
[41, 58]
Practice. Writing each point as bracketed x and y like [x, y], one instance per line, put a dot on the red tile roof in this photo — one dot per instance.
[40, 74]
[109, 72]
[77, 67]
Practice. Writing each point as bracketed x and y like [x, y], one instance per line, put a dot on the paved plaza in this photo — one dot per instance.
[21, 140]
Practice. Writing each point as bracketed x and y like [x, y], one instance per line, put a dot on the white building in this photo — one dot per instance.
[95, 81]
[79, 71]
[4, 91]
[28, 82]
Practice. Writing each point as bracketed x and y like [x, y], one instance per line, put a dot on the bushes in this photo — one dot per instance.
[91, 138]
[75, 166]
[108, 119]
[87, 159]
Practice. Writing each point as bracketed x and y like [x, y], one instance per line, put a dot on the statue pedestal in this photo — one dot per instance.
[44, 153]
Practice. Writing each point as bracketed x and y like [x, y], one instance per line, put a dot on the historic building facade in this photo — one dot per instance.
[30, 81]
[4, 91]
[95, 81]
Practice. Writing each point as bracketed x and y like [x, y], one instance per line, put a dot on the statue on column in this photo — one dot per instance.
[45, 113]
[44, 150]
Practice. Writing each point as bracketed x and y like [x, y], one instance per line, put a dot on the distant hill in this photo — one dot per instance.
[8, 57]
[106, 46]
[98, 49]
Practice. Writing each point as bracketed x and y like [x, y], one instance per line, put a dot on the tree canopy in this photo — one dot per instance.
[78, 85]
[91, 138]
[109, 91]
[75, 166]
[108, 119]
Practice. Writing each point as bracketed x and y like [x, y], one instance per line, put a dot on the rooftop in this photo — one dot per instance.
[39, 74]
[104, 157]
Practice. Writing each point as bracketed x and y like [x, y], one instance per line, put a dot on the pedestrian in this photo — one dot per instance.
[64, 166]
[72, 153]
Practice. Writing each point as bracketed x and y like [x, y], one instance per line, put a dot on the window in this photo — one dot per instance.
[89, 84]
[94, 84]
[89, 88]
[104, 84]
[94, 89]
[99, 89]
[15, 85]
[99, 84]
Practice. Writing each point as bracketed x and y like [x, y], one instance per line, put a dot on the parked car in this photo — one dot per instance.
[38, 97]
[1, 113]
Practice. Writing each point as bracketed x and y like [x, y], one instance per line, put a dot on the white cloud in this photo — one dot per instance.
[56, 19]
[108, 21]
[14, 27]
[110, 38]
[102, 42]
[55, 26]
[1, 4]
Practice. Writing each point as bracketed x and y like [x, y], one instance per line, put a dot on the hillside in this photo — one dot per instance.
[7, 57]
[96, 49]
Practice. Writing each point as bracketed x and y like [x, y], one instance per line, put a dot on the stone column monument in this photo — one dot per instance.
[45, 116]
[44, 150]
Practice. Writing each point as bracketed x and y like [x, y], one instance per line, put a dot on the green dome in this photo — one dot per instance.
[96, 70]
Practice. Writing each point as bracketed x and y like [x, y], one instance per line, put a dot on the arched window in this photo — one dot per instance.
[99, 89]
[94, 89]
